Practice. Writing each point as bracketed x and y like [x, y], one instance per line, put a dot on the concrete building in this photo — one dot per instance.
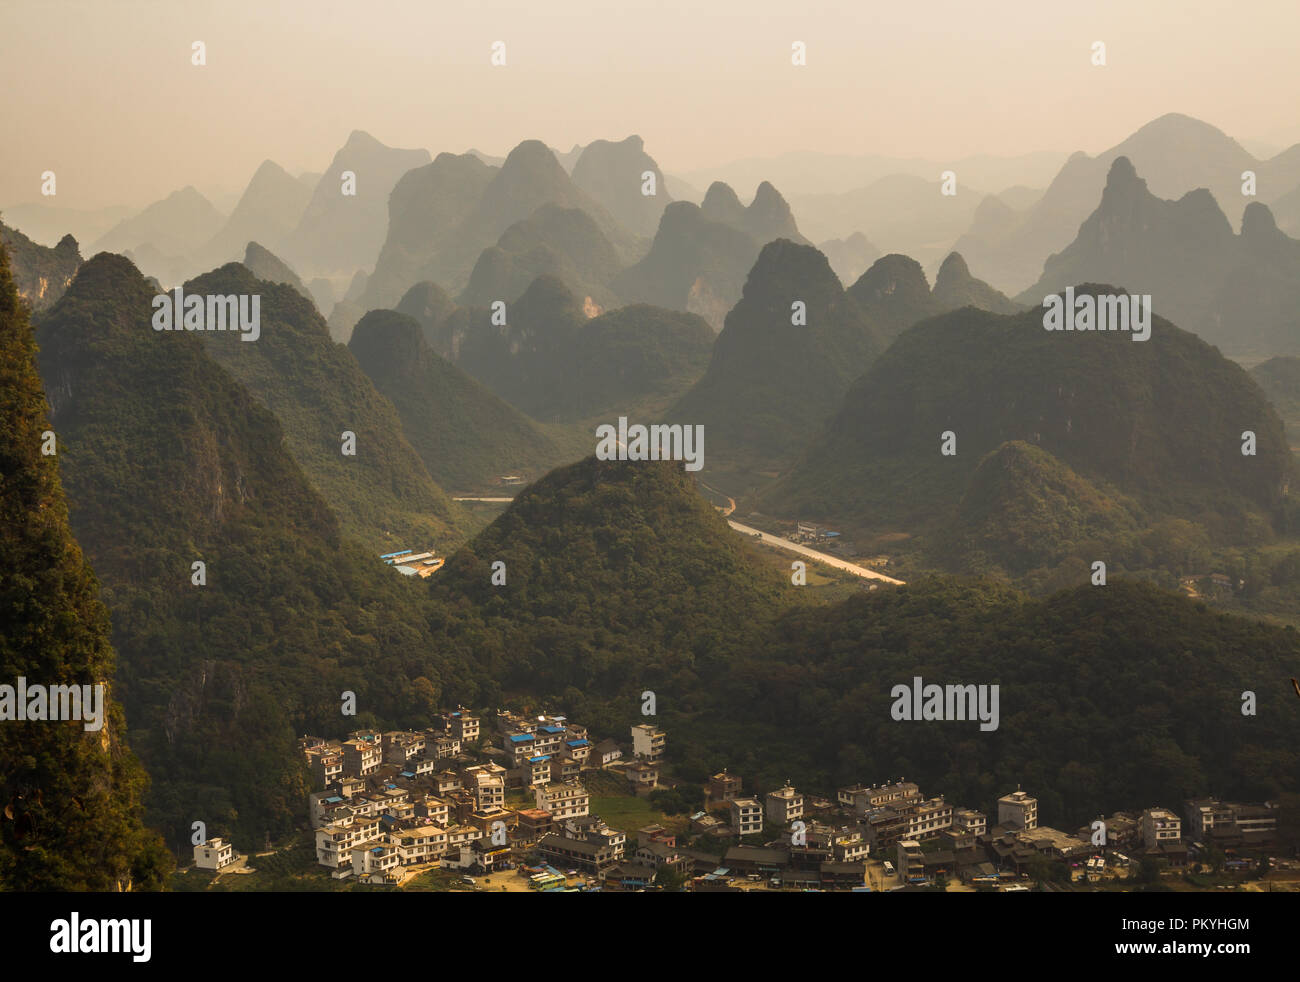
[722, 787]
[784, 805]
[1160, 826]
[648, 742]
[1018, 810]
[362, 757]
[746, 816]
[461, 725]
[214, 854]
[568, 800]
[969, 822]
[911, 861]
[643, 776]
[488, 789]
[1212, 820]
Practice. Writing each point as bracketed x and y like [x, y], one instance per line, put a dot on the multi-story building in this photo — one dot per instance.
[577, 749]
[462, 725]
[440, 746]
[1018, 810]
[568, 800]
[400, 747]
[376, 863]
[927, 819]
[844, 845]
[461, 835]
[722, 787]
[335, 843]
[784, 805]
[849, 797]
[534, 823]
[911, 860]
[868, 799]
[548, 739]
[648, 742]
[586, 843]
[326, 764]
[421, 844]
[746, 816]
[326, 807]
[433, 808]
[907, 818]
[969, 822]
[531, 772]
[1210, 819]
[488, 789]
[587, 855]
[564, 769]
[1160, 827]
[661, 854]
[519, 746]
[445, 782]
[362, 757]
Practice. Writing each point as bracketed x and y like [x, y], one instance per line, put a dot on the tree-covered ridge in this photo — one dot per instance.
[553, 241]
[1162, 420]
[466, 436]
[558, 365]
[619, 577]
[71, 798]
[1110, 697]
[1024, 509]
[170, 460]
[787, 355]
[383, 495]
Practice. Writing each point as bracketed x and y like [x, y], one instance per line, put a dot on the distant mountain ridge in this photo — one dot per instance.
[1176, 154]
[1160, 421]
[40, 274]
[1241, 292]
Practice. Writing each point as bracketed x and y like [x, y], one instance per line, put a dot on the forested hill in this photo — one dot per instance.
[383, 494]
[71, 796]
[620, 579]
[169, 460]
[1162, 420]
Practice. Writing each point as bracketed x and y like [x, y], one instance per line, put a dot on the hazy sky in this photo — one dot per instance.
[104, 94]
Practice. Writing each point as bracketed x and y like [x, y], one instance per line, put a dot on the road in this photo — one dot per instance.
[775, 540]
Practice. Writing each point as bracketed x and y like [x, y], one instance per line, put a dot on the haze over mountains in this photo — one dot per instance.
[1159, 421]
[1241, 292]
[465, 320]
[483, 227]
[1175, 153]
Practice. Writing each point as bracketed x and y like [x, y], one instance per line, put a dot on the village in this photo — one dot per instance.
[500, 801]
